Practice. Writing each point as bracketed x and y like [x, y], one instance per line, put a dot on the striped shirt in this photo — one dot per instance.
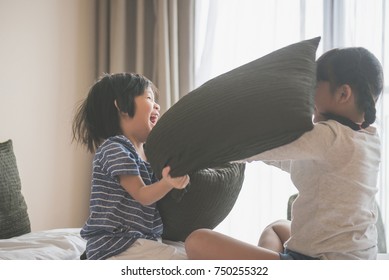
[116, 220]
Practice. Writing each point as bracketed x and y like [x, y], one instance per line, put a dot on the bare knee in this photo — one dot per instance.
[275, 235]
[195, 242]
[282, 229]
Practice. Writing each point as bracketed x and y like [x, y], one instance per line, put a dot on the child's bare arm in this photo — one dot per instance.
[148, 194]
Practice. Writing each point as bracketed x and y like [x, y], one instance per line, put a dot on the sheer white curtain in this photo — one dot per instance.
[230, 33]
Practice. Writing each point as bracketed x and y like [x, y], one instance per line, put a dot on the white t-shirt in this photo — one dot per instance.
[335, 170]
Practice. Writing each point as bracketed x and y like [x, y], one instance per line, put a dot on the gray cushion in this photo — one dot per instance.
[209, 198]
[253, 108]
[14, 220]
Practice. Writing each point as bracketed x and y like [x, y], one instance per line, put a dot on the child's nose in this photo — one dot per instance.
[157, 107]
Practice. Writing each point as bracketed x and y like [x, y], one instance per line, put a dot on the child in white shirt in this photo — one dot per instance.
[334, 167]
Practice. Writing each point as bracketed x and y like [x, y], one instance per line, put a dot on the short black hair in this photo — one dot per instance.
[97, 116]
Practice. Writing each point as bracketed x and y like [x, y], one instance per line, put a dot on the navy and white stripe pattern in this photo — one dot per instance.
[116, 220]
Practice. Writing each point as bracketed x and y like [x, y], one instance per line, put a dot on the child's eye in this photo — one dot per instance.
[150, 98]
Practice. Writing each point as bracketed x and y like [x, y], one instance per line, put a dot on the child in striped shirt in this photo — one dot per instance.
[114, 121]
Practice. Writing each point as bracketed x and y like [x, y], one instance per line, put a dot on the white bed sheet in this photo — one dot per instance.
[55, 244]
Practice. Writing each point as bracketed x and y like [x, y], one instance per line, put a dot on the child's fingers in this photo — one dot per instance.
[184, 181]
[178, 182]
[165, 171]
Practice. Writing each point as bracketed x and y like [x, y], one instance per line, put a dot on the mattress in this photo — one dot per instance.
[55, 244]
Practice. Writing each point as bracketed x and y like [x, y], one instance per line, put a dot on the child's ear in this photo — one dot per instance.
[345, 93]
[116, 105]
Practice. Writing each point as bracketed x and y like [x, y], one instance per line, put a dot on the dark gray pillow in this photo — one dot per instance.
[253, 108]
[14, 220]
[209, 198]
[256, 107]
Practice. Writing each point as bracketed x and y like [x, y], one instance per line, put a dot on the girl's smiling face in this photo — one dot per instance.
[138, 127]
[148, 107]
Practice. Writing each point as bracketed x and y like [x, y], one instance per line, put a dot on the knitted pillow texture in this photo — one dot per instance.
[256, 107]
[14, 219]
[248, 110]
[209, 198]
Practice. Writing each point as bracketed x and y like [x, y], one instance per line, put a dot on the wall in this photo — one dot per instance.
[46, 66]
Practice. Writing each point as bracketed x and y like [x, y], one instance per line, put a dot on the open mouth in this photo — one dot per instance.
[154, 118]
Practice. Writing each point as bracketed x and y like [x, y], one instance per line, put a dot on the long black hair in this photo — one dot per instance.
[358, 68]
[97, 117]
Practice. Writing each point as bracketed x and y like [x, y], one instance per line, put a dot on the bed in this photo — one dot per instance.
[55, 244]
[17, 242]
[174, 134]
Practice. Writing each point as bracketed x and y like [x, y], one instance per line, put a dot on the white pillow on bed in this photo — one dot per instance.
[55, 244]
